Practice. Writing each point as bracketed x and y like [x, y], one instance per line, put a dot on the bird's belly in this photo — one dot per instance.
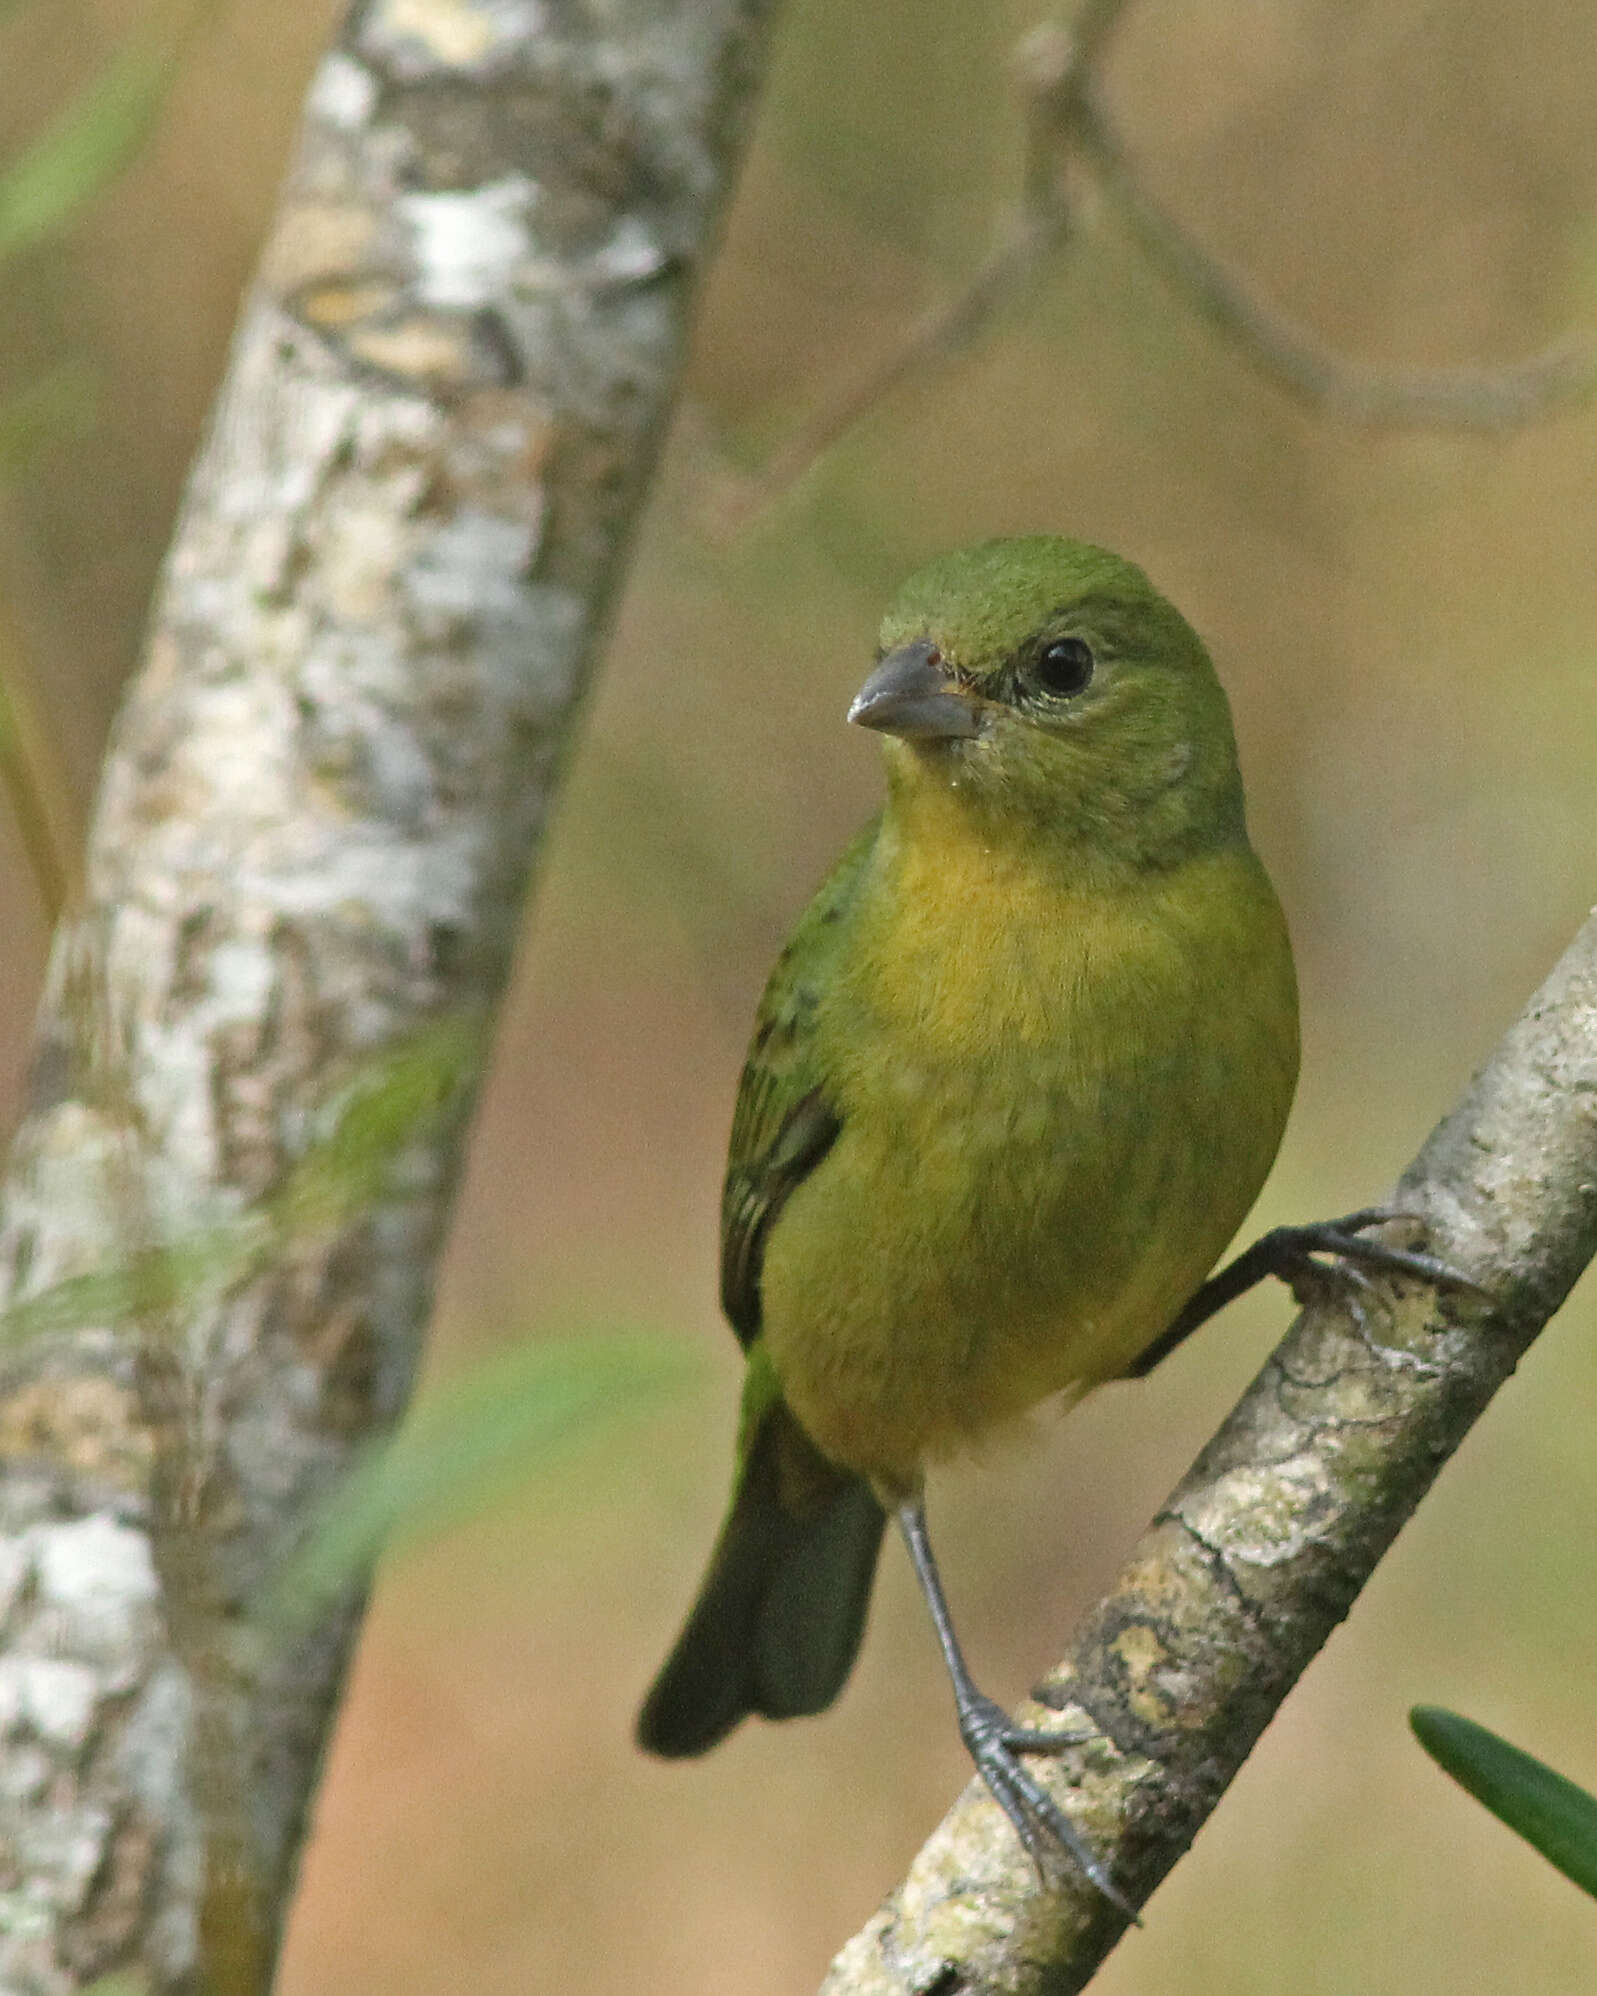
[972, 1246]
[1050, 1129]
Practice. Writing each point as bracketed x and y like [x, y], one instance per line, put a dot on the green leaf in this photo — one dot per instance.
[87, 144]
[505, 1419]
[1550, 1812]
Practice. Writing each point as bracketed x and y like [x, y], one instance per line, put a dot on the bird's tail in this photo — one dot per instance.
[778, 1621]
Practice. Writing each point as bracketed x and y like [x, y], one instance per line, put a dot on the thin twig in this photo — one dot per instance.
[736, 499]
[1463, 397]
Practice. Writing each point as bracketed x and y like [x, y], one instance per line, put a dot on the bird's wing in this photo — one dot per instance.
[784, 1123]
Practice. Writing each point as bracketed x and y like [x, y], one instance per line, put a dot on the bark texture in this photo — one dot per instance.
[1262, 1549]
[313, 837]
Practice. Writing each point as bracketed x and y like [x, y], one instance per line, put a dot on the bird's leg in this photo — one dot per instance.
[995, 1744]
[1289, 1253]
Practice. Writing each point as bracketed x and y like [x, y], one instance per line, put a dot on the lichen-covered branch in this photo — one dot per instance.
[312, 840]
[1263, 1548]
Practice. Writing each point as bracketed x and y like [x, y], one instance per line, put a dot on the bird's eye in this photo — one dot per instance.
[1065, 667]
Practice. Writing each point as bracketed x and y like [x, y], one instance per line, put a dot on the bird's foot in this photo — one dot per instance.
[1297, 1256]
[996, 1744]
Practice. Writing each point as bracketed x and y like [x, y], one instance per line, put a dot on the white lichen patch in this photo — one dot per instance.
[238, 983]
[469, 247]
[1264, 1515]
[77, 1158]
[234, 764]
[51, 1697]
[278, 450]
[25, 1773]
[414, 36]
[96, 1580]
[67, 1845]
[631, 254]
[343, 93]
[474, 566]
[154, 1745]
[16, 1561]
[377, 884]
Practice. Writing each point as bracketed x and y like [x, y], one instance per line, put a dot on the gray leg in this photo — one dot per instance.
[994, 1744]
[1289, 1254]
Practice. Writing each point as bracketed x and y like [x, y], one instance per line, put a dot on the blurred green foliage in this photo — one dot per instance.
[507, 1419]
[47, 187]
[50, 183]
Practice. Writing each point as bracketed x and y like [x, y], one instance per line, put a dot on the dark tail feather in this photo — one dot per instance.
[779, 1618]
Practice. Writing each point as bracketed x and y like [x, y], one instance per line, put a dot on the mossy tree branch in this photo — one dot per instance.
[1264, 1546]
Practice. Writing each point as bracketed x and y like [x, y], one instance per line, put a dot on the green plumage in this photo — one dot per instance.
[778, 1621]
[1013, 1085]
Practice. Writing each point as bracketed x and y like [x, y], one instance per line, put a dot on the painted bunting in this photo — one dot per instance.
[1014, 1083]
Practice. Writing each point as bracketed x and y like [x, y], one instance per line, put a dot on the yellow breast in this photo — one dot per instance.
[1057, 1106]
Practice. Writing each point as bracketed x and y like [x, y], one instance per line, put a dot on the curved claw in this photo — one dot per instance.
[994, 1744]
[1288, 1254]
[1294, 1248]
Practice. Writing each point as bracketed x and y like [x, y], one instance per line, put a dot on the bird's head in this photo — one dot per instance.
[1051, 688]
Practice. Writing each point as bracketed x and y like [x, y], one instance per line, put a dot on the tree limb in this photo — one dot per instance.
[1264, 1546]
[312, 840]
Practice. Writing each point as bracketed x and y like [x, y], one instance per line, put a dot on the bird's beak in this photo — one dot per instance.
[911, 696]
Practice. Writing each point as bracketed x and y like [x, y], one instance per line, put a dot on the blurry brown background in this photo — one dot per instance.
[1408, 627]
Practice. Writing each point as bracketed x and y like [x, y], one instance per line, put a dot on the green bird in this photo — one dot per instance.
[1014, 1083]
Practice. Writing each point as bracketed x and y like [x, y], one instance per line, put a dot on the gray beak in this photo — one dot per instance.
[911, 696]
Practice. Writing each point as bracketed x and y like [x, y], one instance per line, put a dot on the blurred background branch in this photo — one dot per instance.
[1289, 354]
[1074, 152]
